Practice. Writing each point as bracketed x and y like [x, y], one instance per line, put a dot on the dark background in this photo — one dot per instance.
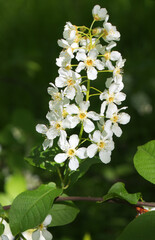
[29, 30]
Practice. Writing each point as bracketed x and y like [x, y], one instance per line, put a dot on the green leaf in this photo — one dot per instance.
[43, 159]
[5, 199]
[30, 208]
[144, 161]
[141, 228]
[84, 166]
[63, 213]
[1, 229]
[118, 191]
[1, 210]
[15, 184]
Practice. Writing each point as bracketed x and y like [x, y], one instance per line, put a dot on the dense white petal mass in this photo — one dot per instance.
[92, 150]
[88, 126]
[90, 51]
[105, 156]
[60, 157]
[73, 163]
[74, 140]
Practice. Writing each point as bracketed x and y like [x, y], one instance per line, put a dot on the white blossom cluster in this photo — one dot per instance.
[88, 51]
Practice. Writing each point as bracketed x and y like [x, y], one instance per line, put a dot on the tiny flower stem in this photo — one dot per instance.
[88, 90]
[83, 27]
[95, 94]
[74, 65]
[81, 132]
[92, 25]
[60, 176]
[96, 89]
[106, 71]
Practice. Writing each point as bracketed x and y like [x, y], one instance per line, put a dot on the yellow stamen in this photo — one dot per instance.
[71, 152]
[82, 115]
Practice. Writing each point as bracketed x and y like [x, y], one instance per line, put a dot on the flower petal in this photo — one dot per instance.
[88, 126]
[92, 150]
[92, 73]
[73, 163]
[105, 156]
[60, 157]
[81, 153]
[74, 140]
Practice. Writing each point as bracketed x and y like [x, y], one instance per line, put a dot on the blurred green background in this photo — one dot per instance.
[29, 30]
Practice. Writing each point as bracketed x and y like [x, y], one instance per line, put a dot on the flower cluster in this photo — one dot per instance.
[90, 50]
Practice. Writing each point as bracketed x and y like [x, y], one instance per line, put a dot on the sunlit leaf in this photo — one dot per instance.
[144, 161]
[31, 207]
[118, 191]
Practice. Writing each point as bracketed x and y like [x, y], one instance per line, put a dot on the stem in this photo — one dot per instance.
[88, 90]
[95, 94]
[60, 176]
[96, 199]
[96, 89]
[81, 131]
[106, 71]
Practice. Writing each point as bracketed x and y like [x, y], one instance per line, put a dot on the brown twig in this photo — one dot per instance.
[95, 199]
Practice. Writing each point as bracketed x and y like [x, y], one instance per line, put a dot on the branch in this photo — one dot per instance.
[96, 199]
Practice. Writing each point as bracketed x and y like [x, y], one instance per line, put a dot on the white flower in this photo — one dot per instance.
[7, 235]
[102, 144]
[71, 151]
[112, 95]
[105, 127]
[116, 118]
[41, 128]
[89, 62]
[41, 232]
[110, 32]
[58, 98]
[70, 80]
[69, 31]
[64, 60]
[82, 116]
[99, 13]
[70, 48]
[117, 70]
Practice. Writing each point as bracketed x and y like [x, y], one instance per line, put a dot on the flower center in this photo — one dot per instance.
[105, 33]
[96, 17]
[118, 71]
[111, 99]
[64, 113]
[114, 119]
[56, 96]
[89, 62]
[107, 55]
[58, 125]
[71, 152]
[68, 67]
[70, 82]
[101, 144]
[41, 226]
[82, 115]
